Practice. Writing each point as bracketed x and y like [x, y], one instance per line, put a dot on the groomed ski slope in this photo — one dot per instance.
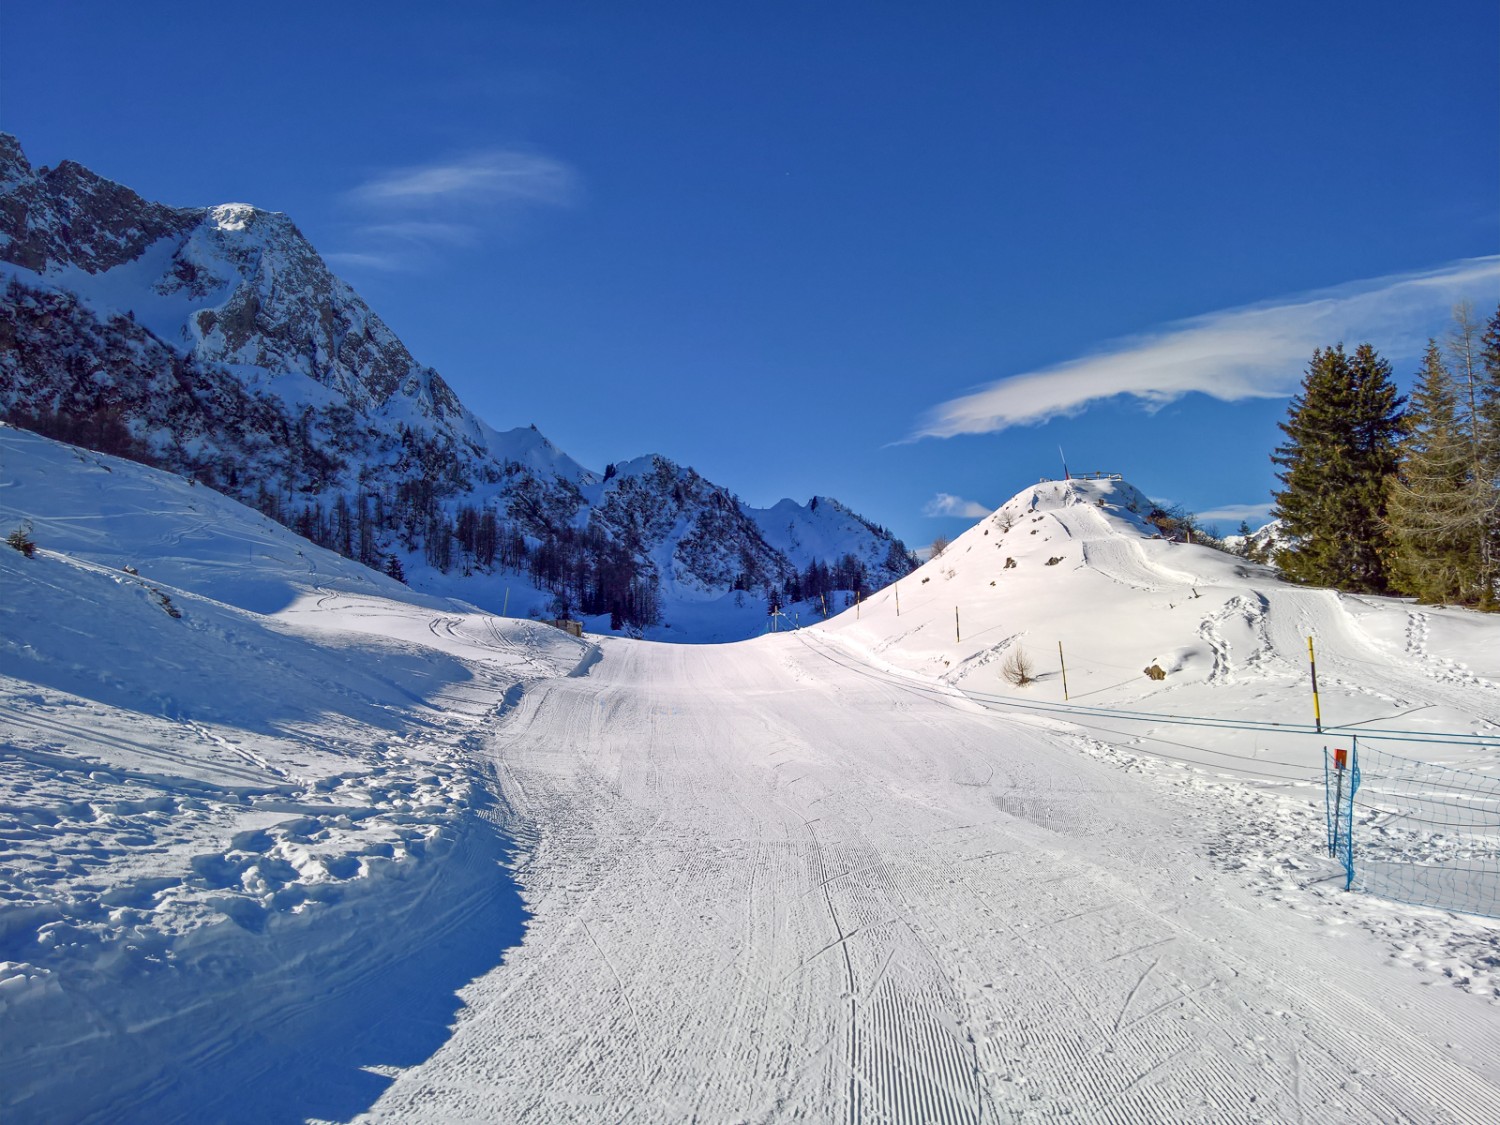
[852, 874]
[767, 885]
[258, 857]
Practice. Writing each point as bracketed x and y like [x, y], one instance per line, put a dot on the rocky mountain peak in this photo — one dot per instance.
[71, 216]
[13, 163]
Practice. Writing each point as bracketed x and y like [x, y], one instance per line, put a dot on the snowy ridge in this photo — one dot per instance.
[823, 529]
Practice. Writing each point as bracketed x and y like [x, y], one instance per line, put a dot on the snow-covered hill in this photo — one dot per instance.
[1076, 564]
[216, 341]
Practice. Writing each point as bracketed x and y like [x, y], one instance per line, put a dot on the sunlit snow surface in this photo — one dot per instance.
[271, 859]
[224, 750]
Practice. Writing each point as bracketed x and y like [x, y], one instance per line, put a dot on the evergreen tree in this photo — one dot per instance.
[1342, 432]
[1435, 524]
[1244, 533]
[1487, 441]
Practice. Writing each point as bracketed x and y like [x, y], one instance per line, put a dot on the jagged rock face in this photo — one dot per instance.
[203, 331]
[263, 296]
[284, 311]
[680, 521]
[58, 357]
[69, 216]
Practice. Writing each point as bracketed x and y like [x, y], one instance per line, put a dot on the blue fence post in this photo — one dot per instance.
[1340, 780]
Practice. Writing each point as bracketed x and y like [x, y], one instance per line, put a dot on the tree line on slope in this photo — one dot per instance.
[584, 569]
[1388, 496]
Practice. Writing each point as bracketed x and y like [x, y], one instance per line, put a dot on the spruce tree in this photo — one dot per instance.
[1435, 524]
[1342, 432]
[1487, 440]
[1243, 532]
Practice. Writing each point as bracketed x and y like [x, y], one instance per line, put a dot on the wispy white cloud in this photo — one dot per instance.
[1258, 351]
[1253, 514]
[498, 177]
[407, 217]
[946, 504]
[424, 232]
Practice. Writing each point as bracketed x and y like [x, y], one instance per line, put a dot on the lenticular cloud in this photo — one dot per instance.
[1253, 352]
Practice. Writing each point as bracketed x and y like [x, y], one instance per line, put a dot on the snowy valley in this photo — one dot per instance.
[285, 839]
[613, 564]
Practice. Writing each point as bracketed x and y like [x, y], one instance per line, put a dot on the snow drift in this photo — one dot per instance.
[230, 756]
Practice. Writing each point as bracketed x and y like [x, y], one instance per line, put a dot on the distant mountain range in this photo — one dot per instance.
[216, 342]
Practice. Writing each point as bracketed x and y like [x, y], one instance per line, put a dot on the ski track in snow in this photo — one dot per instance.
[773, 889]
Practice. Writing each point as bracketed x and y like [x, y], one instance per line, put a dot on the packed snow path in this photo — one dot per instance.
[771, 886]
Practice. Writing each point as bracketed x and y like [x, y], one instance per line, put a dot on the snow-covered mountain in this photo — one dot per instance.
[1261, 544]
[214, 341]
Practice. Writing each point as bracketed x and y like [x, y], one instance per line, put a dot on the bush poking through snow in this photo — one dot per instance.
[21, 540]
[1018, 668]
[166, 603]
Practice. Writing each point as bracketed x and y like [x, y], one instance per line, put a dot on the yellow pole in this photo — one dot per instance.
[1312, 663]
[957, 636]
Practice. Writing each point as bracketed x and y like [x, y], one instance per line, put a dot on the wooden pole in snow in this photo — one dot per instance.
[957, 636]
[1064, 664]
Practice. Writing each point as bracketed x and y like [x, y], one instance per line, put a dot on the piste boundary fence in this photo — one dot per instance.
[1415, 832]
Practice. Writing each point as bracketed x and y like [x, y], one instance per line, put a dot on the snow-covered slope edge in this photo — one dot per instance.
[232, 764]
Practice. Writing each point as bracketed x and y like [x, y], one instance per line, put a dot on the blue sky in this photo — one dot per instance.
[783, 242]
